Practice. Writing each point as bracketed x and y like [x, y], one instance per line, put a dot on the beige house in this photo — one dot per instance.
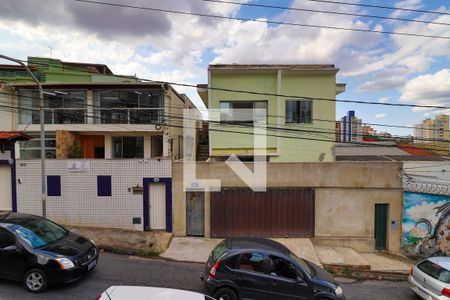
[350, 204]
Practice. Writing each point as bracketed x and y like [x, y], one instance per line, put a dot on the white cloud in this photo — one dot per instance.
[380, 116]
[424, 210]
[416, 54]
[384, 99]
[429, 89]
[410, 4]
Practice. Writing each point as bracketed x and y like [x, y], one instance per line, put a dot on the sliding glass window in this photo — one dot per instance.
[129, 107]
[61, 106]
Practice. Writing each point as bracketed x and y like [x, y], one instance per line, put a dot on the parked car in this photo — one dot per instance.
[38, 252]
[430, 279]
[257, 268]
[149, 293]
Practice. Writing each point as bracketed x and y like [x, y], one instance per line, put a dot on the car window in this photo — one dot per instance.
[38, 232]
[219, 251]
[302, 263]
[435, 271]
[232, 261]
[6, 239]
[280, 267]
[252, 261]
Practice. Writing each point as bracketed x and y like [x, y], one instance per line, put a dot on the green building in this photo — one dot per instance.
[57, 71]
[300, 123]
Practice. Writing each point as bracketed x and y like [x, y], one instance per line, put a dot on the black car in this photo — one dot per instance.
[257, 268]
[38, 252]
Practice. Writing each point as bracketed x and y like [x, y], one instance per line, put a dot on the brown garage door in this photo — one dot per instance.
[275, 213]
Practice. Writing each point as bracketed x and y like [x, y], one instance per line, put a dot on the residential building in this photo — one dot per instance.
[109, 141]
[351, 128]
[433, 134]
[299, 121]
[368, 130]
[338, 131]
[104, 120]
[57, 71]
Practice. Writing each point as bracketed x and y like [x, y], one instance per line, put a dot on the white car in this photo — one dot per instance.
[122, 292]
[430, 279]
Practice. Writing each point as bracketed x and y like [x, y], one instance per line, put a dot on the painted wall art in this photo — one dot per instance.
[426, 225]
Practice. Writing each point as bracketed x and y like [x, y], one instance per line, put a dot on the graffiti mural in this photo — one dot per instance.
[426, 225]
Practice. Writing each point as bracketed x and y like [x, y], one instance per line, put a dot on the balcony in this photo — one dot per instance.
[129, 115]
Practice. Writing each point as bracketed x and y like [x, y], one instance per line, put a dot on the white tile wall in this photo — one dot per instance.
[79, 203]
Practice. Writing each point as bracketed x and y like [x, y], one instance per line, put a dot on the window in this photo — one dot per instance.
[38, 232]
[298, 111]
[6, 239]
[104, 186]
[253, 262]
[32, 149]
[157, 146]
[61, 107]
[435, 271]
[279, 267]
[129, 106]
[229, 111]
[128, 147]
[54, 186]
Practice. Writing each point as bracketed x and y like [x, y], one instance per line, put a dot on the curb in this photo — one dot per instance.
[364, 273]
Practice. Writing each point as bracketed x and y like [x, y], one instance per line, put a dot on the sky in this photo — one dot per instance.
[178, 48]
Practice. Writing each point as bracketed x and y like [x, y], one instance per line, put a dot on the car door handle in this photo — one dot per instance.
[274, 283]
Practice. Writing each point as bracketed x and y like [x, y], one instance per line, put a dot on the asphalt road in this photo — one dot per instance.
[122, 270]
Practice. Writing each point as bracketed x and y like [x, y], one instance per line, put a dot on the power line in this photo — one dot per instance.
[277, 95]
[261, 21]
[325, 12]
[382, 7]
[308, 127]
[248, 133]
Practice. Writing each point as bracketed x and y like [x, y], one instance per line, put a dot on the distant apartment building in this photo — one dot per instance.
[433, 134]
[368, 130]
[338, 132]
[351, 128]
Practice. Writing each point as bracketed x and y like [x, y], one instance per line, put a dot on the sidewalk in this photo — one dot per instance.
[143, 243]
[337, 260]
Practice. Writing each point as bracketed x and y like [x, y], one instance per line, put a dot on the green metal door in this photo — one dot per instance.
[381, 216]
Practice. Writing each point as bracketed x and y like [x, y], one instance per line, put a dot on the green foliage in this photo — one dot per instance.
[75, 150]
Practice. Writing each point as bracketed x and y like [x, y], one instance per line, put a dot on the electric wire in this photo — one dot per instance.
[179, 12]
[298, 9]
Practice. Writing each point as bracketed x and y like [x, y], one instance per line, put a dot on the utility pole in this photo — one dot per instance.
[41, 114]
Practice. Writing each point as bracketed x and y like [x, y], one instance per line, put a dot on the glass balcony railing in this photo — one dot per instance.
[99, 116]
[129, 115]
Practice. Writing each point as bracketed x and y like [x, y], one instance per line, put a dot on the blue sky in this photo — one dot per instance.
[161, 46]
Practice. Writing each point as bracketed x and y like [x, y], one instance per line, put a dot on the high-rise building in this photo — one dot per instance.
[351, 128]
[433, 134]
[432, 130]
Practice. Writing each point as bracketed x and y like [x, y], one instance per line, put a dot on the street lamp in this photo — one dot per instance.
[41, 114]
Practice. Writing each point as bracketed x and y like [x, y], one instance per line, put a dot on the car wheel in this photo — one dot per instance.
[35, 281]
[225, 294]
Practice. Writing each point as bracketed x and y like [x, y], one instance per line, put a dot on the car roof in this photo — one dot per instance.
[151, 293]
[443, 261]
[256, 243]
[8, 217]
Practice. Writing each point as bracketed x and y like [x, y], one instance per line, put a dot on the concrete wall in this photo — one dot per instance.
[346, 194]
[79, 203]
